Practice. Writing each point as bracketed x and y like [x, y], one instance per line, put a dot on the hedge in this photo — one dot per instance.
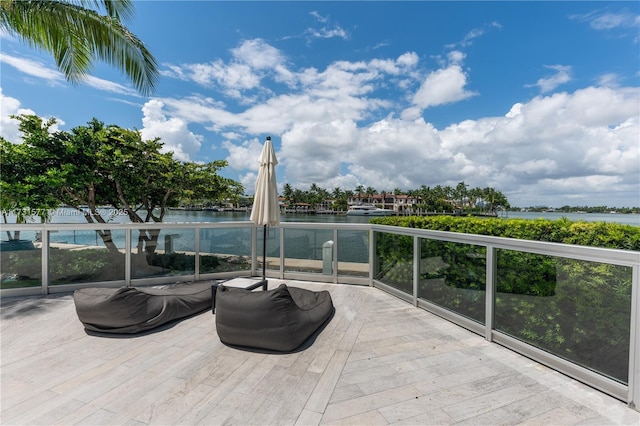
[576, 309]
[595, 234]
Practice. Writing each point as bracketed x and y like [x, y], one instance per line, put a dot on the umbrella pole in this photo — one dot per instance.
[264, 256]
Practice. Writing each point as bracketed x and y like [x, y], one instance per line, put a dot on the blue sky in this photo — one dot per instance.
[540, 100]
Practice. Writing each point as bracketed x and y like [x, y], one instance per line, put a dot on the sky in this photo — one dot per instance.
[539, 100]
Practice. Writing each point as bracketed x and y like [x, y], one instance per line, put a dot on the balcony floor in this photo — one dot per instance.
[379, 361]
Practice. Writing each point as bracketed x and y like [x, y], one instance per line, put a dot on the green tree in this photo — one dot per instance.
[287, 193]
[461, 194]
[370, 191]
[359, 192]
[98, 165]
[19, 197]
[340, 199]
[76, 33]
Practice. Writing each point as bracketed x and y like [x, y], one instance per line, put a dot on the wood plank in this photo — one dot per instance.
[368, 365]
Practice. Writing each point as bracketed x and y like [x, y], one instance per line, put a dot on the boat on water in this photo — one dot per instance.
[366, 210]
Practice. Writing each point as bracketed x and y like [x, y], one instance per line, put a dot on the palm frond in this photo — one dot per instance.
[76, 36]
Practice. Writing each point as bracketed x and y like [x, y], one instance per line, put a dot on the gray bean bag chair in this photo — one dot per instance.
[278, 320]
[135, 309]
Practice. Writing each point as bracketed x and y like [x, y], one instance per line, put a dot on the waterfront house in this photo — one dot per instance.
[398, 203]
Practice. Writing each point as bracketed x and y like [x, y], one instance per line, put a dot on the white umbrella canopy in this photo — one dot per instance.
[265, 210]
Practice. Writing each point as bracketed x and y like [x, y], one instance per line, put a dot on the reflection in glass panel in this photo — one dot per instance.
[578, 310]
[394, 261]
[303, 250]
[21, 259]
[272, 248]
[157, 253]
[79, 256]
[453, 276]
[353, 253]
[225, 249]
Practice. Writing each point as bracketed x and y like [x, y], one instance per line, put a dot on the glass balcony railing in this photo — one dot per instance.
[453, 276]
[86, 256]
[225, 250]
[573, 308]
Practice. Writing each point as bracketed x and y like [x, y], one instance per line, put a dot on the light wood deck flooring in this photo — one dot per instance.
[379, 361]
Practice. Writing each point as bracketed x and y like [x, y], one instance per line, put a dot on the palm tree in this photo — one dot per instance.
[359, 191]
[337, 192]
[370, 192]
[287, 193]
[76, 35]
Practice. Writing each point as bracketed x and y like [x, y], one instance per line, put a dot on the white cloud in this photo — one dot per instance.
[562, 76]
[409, 59]
[328, 30]
[473, 34]
[605, 21]
[581, 137]
[9, 127]
[456, 57]
[52, 76]
[108, 86]
[337, 127]
[609, 80]
[252, 60]
[173, 131]
[442, 86]
[33, 68]
[244, 156]
[257, 54]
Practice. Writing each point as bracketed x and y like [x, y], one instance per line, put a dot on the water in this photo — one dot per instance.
[65, 215]
[184, 238]
[207, 216]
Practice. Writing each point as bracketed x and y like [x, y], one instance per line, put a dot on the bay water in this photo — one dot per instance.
[65, 215]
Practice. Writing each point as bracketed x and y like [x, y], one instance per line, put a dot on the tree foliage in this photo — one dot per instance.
[437, 199]
[103, 165]
[76, 33]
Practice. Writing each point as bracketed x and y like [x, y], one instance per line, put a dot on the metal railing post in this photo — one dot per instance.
[372, 250]
[45, 261]
[416, 268]
[127, 257]
[335, 256]
[281, 235]
[634, 341]
[196, 266]
[490, 291]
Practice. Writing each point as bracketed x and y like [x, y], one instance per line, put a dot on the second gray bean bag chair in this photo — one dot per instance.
[136, 309]
[278, 320]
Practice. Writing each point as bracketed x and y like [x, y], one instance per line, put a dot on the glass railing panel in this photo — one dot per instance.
[79, 256]
[21, 259]
[353, 252]
[303, 250]
[575, 309]
[453, 276]
[225, 249]
[393, 261]
[272, 249]
[166, 252]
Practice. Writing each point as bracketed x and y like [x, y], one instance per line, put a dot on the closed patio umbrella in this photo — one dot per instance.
[266, 211]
